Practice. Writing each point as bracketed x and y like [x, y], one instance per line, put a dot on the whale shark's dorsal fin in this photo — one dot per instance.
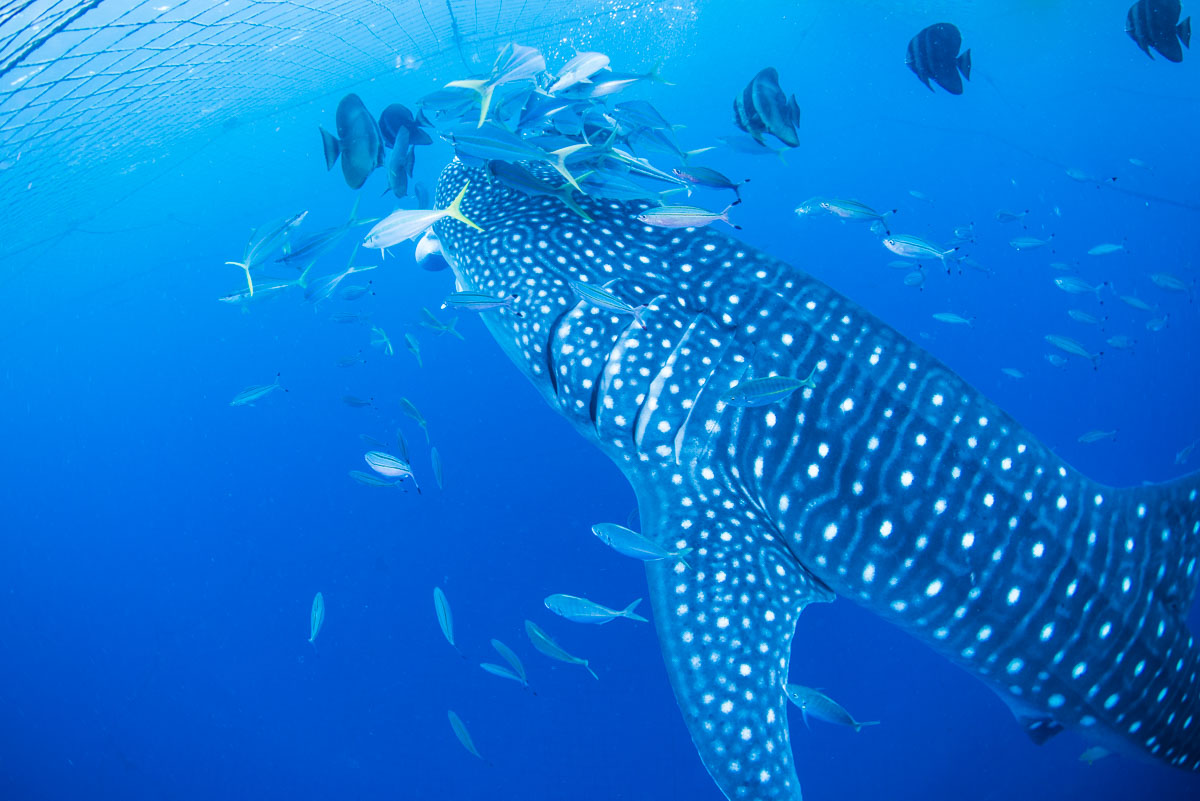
[725, 624]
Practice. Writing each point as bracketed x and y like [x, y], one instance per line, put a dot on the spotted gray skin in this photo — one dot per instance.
[891, 482]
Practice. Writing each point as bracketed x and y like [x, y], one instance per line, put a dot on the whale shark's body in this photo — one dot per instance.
[890, 482]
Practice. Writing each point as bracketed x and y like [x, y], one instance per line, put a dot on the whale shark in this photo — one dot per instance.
[884, 479]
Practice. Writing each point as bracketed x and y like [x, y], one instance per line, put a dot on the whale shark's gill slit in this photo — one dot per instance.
[650, 402]
[551, 366]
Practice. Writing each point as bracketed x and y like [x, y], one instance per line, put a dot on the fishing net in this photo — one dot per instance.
[97, 97]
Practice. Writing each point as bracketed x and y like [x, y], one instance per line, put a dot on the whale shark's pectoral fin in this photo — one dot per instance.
[1037, 724]
[725, 624]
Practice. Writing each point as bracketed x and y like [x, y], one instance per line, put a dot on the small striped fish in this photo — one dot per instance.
[765, 391]
[481, 301]
[601, 298]
[685, 216]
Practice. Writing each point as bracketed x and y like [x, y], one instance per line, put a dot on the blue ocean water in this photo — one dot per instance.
[161, 548]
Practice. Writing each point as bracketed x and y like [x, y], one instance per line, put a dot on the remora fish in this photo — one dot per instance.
[933, 53]
[864, 489]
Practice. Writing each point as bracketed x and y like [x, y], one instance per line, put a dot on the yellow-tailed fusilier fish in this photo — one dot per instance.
[581, 610]
[515, 63]
[405, 224]
[316, 619]
[541, 641]
[445, 617]
[634, 545]
[822, 707]
[249, 395]
[767, 390]
[460, 731]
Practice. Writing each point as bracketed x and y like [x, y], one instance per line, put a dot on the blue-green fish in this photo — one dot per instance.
[511, 658]
[445, 617]
[767, 390]
[316, 619]
[634, 545]
[822, 707]
[481, 301]
[581, 610]
[541, 641]
[602, 298]
[460, 731]
[685, 216]
[249, 395]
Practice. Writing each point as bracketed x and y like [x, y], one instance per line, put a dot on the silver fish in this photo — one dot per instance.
[1075, 286]
[541, 641]
[380, 340]
[578, 70]
[602, 298]
[502, 672]
[1136, 302]
[391, 466]
[1121, 342]
[445, 617]
[1105, 249]
[435, 460]
[951, 318]
[316, 619]
[249, 395]
[1170, 282]
[1012, 372]
[822, 707]
[767, 390]
[460, 731]
[1157, 324]
[634, 545]
[368, 480]
[410, 409]
[1096, 436]
[1010, 216]
[414, 347]
[581, 610]
[912, 247]
[1068, 345]
[481, 301]
[852, 210]
[685, 217]
[405, 224]
[511, 658]
[1081, 316]
[1028, 243]
[915, 278]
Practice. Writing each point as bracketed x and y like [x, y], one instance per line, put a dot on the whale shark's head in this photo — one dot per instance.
[534, 247]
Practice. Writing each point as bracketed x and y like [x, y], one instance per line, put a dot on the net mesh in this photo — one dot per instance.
[97, 97]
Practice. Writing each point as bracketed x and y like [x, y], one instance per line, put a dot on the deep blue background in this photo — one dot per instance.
[160, 549]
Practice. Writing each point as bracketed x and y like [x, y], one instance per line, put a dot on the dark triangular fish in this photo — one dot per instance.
[1152, 23]
[396, 118]
[933, 53]
[398, 164]
[772, 107]
[358, 142]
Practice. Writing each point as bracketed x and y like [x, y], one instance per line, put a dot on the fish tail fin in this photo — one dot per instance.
[450, 329]
[560, 163]
[1185, 32]
[655, 77]
[964, 63]
[589, 670]
[1167, 517]
[246, 267]
[353, 220]
[637, 316]
[858, 726]
[569, 202]
[484, 88]
[725, 215]
[782, 156]
[331, 146]
[687, 154]
[628, 612]
[454, 210]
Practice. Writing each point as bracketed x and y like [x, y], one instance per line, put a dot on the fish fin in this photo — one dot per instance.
[569, 202]
[485, 89]
[705, 629]
[560, 163]
[1037, 724]
[589, 670]
[654, 76]
[1184, 29]
[331, 146]
[687, 154]
[453, 209]
[246, 267]
[858, 726]
[628, 612]
[964, 63]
